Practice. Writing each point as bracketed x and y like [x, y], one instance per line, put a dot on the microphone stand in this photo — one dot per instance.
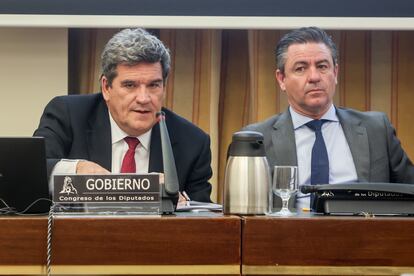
[170, 188]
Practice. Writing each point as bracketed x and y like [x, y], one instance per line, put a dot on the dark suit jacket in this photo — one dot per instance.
[376, 151]
[78, 127]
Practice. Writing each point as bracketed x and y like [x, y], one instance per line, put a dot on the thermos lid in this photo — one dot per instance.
[247, 143]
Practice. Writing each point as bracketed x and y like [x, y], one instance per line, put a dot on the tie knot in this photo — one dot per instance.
[316, 125]
[132, 142]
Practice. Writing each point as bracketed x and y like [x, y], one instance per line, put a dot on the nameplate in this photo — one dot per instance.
[140, 191]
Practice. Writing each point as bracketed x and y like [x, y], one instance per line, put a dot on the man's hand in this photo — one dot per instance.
[181, 199]
[88, 167]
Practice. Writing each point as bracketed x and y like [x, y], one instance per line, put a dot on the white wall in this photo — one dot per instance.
[33, 69]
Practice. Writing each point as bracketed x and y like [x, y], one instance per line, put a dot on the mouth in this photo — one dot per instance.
[315, 90]
[142, 111]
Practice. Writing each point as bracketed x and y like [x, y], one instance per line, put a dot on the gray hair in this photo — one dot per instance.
[130, 47]
[302, 36]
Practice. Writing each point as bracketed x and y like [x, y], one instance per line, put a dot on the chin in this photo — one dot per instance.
[320, 102]
[143, 128]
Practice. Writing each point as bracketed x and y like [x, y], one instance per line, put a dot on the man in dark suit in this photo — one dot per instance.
[348, 145]
[90, 134]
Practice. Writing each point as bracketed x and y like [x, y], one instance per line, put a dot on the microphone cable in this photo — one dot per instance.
[49, 239]
[7, 210]
[50, 220]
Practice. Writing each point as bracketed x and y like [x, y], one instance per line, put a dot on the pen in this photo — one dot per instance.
[187, 198]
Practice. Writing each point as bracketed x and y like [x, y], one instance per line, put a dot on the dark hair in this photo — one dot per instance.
[302, 36]
[130, 47]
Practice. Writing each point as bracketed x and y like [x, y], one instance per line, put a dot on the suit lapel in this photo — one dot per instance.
[99, 137]
[283, 139]
[357, 138]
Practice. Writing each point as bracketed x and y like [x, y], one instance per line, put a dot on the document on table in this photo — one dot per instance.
[197, 205]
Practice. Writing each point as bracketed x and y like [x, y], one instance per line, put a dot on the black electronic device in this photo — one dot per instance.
[170, 187]
[23, 180]
[362, 198]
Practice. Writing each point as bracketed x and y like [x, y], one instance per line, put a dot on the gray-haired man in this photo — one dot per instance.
[91, 133]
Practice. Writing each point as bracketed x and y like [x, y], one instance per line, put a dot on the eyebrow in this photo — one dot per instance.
[322, 61]
[157, 80]
[300, 62]
[128, 81]
[305, 62]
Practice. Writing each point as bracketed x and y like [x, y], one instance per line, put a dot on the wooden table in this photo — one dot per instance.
[327, 246]
[122, 245]
[210, 245]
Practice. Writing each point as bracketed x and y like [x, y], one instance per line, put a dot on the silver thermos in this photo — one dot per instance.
[247, 176]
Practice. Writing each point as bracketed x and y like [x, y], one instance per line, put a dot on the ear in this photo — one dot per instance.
[106, 89]
[336, 71]
[280, 77]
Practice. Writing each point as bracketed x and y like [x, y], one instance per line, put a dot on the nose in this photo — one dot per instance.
[142, 95]
[314, 75]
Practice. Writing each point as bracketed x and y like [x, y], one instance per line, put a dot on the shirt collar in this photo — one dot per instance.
[118, 134]
[299, 119]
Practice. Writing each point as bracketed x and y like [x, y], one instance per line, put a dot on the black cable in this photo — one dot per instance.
[7, 210]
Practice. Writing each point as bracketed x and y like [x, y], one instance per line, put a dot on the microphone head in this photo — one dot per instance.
[306, 189]
[160, 115]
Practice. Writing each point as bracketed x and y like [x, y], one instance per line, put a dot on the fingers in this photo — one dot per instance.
[181, 198]
[88, 167]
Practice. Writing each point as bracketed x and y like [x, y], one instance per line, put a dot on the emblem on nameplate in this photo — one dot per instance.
[68, 186]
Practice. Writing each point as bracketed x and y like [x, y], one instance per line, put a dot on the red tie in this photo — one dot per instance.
[128, 164]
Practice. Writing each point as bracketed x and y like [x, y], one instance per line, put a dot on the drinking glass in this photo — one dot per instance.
[285, 184]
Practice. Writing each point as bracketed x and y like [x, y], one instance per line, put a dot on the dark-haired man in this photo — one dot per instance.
[328, 144]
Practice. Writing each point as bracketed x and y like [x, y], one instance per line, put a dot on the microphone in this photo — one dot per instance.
[171, 184]
[306, 189]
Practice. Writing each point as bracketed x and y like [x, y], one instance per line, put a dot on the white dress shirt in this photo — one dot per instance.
[119, 148]
[341, 164]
